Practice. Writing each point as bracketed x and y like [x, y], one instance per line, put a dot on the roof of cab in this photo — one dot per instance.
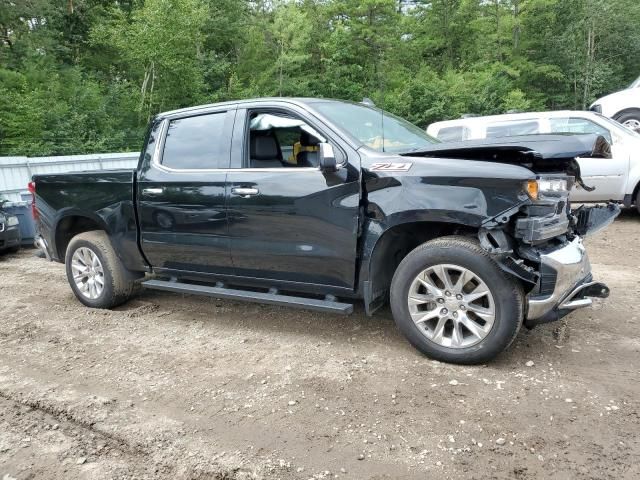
[292, 100]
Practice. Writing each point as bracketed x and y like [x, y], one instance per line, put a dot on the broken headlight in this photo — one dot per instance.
[546, 187]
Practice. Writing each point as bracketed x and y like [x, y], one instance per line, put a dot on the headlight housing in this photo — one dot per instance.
[12, 221]
[542, 187]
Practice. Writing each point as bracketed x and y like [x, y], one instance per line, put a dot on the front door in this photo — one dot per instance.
[288, 220]
[181, 195]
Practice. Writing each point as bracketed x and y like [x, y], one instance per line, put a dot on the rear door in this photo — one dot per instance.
[288, 220]
[181, 193]
[607, 175]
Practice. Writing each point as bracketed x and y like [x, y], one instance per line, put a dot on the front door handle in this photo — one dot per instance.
[152, 191]
[245, 192]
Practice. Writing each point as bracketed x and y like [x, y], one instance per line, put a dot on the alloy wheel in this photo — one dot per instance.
[633, 124]
[451, 306]
[88, 273]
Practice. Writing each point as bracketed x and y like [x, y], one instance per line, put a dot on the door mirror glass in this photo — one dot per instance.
[328, 162]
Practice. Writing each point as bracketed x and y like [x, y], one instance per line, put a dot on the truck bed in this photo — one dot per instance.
[108, 196]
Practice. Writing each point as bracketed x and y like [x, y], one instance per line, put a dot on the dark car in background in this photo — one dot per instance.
[10, 237]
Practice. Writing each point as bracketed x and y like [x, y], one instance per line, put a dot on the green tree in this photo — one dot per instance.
[82, 76]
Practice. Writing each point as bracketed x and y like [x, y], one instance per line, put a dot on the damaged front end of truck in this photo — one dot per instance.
[540, 241]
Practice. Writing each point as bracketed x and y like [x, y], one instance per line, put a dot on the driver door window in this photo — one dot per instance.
[279, 140]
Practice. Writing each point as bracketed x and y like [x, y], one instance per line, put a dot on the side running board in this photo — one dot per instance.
[271, 298]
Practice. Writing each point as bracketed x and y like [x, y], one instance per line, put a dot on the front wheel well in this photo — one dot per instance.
[634, 195]
[625, 111]
[68, 228]
[397, 242]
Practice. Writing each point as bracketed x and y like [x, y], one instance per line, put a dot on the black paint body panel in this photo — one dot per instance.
[105, 197]
[300, 228]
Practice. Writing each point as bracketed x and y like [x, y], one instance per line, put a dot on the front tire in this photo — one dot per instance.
[454, 304]
[96, 275]
[630, 119]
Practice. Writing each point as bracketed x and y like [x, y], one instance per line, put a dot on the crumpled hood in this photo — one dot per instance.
[539, 153]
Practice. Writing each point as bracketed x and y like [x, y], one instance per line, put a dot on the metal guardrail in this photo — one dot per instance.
[16, 172]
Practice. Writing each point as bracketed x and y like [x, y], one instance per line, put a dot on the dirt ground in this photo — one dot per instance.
[172, 386]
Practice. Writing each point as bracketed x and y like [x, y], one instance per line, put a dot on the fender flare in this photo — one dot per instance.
[69, 212]
[373, 245]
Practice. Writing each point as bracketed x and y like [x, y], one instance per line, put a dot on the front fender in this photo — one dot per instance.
[443, 204]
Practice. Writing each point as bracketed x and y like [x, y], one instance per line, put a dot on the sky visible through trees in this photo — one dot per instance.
[83, 76]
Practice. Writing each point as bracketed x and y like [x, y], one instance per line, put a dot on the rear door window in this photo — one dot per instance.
[197, 142]
[453, 134]
[514, 128]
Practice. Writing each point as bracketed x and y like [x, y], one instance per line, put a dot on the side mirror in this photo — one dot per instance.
[328, 162]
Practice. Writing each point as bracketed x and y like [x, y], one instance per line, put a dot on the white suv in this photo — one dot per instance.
[616, 178]
[622, 106]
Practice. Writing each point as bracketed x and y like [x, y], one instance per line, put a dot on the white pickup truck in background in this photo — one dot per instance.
[616, 178]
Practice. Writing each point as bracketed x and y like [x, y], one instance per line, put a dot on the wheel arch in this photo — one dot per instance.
[634, 194]
[72, 223]
[626, 110]
[382, 257]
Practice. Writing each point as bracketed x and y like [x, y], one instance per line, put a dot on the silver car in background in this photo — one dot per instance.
[616, 178]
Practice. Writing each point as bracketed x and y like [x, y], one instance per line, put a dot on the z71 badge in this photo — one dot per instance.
[391, 167]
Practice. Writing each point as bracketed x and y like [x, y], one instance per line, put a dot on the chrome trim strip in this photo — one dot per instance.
[575, 304]
[570, 304]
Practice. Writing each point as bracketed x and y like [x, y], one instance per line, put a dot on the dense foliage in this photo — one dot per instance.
[80, 76]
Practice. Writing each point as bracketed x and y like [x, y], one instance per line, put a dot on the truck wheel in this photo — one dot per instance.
[95, 273]
[630, 119]
[454, 304]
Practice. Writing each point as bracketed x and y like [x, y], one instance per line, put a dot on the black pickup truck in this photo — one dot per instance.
[318, 204]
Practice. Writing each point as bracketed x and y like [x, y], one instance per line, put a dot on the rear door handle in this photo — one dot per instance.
[245, 192]
[152, 191]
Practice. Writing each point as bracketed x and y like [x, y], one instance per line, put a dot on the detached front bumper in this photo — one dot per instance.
[566, 284]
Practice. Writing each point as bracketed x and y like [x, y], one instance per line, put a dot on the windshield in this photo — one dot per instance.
[376, 128]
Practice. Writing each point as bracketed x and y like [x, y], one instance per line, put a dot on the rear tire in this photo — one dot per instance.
[482, 327]
[96, 275]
